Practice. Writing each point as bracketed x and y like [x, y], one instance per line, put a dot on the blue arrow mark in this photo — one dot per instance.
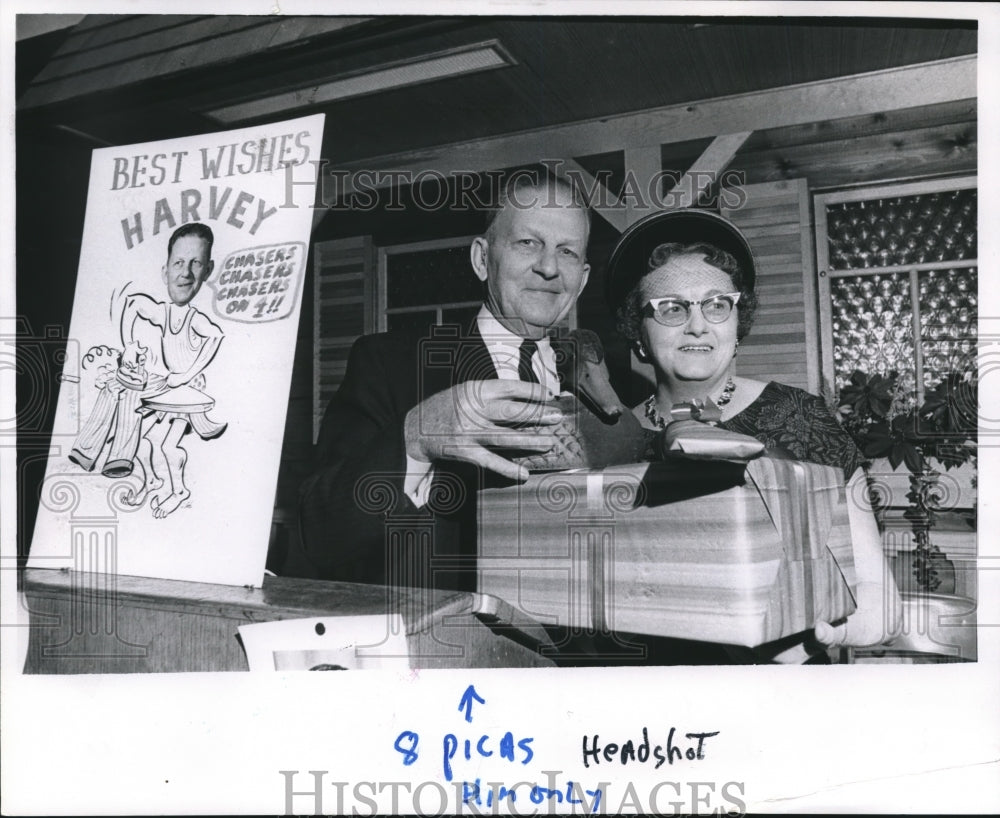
[467, 698]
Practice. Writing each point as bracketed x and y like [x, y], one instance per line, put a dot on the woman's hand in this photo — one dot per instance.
[876, 620]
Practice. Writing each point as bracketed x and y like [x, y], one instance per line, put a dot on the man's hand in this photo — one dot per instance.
[175, 379]
[464, 422]
[876, 620]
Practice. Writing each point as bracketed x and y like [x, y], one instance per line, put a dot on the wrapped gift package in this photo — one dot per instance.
[732, 553]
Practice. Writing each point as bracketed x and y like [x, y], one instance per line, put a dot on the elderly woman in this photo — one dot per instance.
[683, 286]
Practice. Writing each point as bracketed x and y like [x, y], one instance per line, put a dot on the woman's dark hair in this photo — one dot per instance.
[630, 312]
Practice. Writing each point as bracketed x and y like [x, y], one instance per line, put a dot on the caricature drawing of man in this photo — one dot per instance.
[136, 406]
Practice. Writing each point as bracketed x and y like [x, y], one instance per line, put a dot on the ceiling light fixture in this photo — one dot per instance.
[455, 62]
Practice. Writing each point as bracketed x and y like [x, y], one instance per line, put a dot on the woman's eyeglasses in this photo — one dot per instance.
[673, 312]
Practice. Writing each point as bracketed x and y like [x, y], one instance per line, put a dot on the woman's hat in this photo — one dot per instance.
[629, 259]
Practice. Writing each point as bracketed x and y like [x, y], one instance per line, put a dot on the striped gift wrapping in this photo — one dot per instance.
[713, 551]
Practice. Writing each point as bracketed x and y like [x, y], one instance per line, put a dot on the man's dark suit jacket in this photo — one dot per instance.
[354, 505]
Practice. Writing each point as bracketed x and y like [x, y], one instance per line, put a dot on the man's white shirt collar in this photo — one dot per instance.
[504, 348]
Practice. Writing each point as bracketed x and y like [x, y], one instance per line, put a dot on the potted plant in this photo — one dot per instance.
[885, 421]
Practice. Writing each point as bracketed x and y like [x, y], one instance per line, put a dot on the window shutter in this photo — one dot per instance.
[782, 344]
[343, 311]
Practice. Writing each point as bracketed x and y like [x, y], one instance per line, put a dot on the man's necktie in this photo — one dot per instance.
[524, 370]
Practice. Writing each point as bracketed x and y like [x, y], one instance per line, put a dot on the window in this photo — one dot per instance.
[430, 282]
[427, 283]
[898, 281]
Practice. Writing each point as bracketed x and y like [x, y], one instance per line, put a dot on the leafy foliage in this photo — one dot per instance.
[885, 422]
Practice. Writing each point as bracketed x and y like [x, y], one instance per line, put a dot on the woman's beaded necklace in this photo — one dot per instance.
[654, 417]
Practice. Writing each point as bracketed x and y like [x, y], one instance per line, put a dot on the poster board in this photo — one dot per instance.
[174, 390]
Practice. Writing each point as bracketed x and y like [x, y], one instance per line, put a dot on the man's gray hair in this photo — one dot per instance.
[525, 189]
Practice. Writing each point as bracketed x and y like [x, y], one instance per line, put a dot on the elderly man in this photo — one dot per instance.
[422, 421]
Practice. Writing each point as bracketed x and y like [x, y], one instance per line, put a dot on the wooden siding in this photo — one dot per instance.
[776, 348]
[110, 51]
[344, 285]
[900, 154]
